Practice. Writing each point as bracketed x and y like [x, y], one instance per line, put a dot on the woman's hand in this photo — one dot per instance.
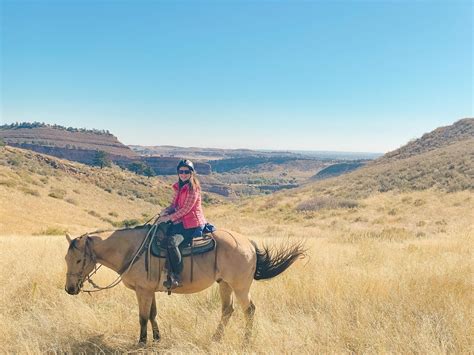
[162, 219]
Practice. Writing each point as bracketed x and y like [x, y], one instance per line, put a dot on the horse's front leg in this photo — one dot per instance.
[145, 299]
[154, 323]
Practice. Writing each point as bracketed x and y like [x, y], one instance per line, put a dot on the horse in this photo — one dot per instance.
[234, 263]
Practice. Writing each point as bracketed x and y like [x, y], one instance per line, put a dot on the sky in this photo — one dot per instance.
[360, 76]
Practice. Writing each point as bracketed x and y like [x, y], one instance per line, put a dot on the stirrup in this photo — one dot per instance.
[172, 282]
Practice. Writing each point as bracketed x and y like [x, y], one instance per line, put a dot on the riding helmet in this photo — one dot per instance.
[187, 163]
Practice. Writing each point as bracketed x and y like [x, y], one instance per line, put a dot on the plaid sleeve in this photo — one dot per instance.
[189, 203]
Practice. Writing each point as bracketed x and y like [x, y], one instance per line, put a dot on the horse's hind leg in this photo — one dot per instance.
[145, 299]
[227, 308]
[243, 297]
[154, 323]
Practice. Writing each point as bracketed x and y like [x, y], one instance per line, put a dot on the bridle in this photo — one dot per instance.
[87, 253]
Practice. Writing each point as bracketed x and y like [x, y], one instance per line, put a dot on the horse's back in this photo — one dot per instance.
[236, 257]
[234, 243]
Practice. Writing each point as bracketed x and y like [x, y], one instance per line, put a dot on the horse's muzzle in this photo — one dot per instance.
[72, 290]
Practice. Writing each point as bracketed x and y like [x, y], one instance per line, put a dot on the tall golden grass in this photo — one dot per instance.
[391, 275]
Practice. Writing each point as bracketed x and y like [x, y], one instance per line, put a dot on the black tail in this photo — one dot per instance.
[273, 261]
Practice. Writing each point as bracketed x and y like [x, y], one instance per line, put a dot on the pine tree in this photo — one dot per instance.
[101, 159]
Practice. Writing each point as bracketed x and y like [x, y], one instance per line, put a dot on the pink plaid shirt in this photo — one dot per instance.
[186, 207]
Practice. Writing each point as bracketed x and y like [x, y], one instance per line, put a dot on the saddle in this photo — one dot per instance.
[199, 245]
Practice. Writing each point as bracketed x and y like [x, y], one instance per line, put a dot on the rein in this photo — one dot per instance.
[97, 288]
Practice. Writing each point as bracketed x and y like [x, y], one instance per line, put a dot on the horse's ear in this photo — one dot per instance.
[68, 237]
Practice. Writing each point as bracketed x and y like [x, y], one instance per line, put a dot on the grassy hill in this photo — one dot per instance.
[43, 194]
[460, 131]
[442, 159]
[69, 143]
[46, 135]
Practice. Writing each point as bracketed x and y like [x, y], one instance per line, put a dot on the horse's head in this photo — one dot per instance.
[80, 260]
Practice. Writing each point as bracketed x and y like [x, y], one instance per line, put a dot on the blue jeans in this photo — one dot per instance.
[188, 233]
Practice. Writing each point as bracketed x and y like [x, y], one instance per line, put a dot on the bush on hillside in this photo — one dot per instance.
[323, 202]
[52, 231]
[129, 223]
[29, 191]
[57, 193]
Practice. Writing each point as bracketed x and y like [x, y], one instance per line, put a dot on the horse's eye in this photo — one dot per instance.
[77, 262]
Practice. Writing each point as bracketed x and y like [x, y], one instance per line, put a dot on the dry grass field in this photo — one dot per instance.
[392, 274]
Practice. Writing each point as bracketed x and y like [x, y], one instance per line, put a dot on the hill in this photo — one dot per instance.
[338, 169]
[462, 130]
[46, 195]
[67, 143]
[442, 159]
[444, 164]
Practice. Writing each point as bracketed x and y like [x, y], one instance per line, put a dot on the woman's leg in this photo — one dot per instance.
[174, 239]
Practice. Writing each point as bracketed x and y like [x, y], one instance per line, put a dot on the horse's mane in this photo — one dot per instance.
[98, 231]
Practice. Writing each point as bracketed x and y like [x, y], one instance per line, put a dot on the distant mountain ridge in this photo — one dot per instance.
[68, 143]
[228, 153]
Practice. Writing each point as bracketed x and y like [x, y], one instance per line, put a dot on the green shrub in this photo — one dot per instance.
[29, 191]
[14, 161]
[419, 202]
[57, 193]
[108, 220]
[52, 231]
[94, 214]
[392, 212]
[71, 201]
[8, 183]
[129, 223]
[323, 202]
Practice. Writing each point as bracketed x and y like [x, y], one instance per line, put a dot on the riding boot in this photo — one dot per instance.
[177, 265]
[175, 261]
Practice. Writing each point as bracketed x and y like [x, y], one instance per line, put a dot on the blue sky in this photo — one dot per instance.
[363, 76]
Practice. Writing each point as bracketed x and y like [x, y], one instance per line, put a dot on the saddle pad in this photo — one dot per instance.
[201, 245]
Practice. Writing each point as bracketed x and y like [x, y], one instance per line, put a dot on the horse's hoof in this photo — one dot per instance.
[141, 344]
[157, 340]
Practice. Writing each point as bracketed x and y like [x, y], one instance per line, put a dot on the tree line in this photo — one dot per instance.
[18, 125]
[102, 160]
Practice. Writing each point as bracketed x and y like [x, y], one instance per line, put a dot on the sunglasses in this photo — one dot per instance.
[186, 172]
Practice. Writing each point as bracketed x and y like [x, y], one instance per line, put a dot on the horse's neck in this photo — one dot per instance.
[116, 250]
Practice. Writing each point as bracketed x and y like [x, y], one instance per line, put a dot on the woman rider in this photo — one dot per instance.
[186, 215]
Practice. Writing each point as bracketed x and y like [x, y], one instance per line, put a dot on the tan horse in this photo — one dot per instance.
[234, 264]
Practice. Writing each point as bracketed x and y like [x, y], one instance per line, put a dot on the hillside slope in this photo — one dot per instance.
[43, 194]
[445, 164]
[66, 143]
[441, 137]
